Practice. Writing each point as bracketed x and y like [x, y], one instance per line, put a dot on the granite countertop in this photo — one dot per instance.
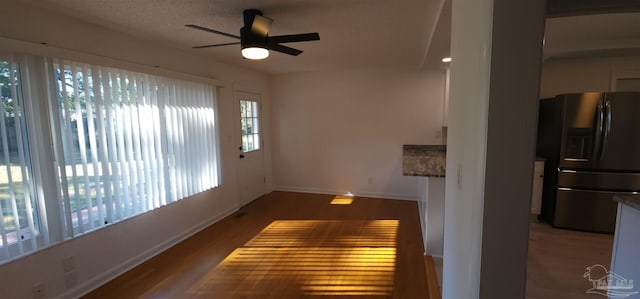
[630, 200]
[424, 160]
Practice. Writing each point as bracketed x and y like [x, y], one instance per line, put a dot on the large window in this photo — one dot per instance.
[122, 143]
[19, 224]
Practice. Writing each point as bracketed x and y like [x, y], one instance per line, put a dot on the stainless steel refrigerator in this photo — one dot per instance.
[592, 145]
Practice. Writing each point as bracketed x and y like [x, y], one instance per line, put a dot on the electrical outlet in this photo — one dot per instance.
[69, 264]
[38, 290]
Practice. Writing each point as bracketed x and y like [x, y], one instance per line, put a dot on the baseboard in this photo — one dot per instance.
[93, 283]
[399, 196]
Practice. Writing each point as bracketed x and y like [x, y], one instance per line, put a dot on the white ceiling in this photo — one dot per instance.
[590, 35]
[353, 33]
[593, 35]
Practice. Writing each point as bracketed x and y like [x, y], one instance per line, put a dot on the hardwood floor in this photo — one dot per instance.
[291, 245]
[558, 259]
[432, 279]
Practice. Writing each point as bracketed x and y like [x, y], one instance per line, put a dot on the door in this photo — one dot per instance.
[600, 132]
[251, 176]
[620, 150]
[582, 130]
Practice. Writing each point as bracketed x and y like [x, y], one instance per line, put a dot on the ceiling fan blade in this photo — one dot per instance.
[211, 30]
[216, 45]
[261, 25]
[292, 38]
[284, 49]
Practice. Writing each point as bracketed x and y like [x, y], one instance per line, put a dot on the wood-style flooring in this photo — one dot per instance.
[291, 245]
[558, 259]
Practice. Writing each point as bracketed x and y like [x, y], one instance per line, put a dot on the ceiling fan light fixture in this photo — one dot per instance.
[255, 41]
[255, 53]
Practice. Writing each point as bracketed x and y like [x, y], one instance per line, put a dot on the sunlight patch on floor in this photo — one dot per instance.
[292, 258]
[342, 200]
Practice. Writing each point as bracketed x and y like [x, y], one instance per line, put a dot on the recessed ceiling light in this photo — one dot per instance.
[446, 59]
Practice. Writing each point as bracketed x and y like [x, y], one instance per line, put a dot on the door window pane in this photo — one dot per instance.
[249, 121]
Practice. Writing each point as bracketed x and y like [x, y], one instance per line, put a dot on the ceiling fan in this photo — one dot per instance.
[254, 37]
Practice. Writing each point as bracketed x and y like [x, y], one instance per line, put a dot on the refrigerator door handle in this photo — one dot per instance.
[597, 144]
[607, 127]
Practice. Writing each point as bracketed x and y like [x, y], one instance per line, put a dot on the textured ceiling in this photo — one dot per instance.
[593, 35]
[354, 33]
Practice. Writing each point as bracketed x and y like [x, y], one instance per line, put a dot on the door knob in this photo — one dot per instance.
[241, 156]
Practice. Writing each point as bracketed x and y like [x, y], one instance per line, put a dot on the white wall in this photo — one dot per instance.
[434, 216]
[466, 147]
[518, 29]
[490, 149]
[571, 75]
[343, 131]
[107, 252]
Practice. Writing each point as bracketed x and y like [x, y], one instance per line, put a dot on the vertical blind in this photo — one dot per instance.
[129, 142]
[123, 143]
[19, 226]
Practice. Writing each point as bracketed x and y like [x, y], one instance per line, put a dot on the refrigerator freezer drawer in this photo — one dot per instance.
[599, 180]
[586, 210]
